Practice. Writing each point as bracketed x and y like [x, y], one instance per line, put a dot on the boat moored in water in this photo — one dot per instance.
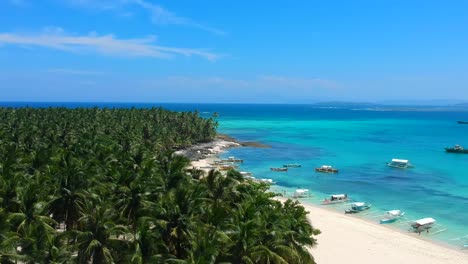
[463, 122]
[399, 163]
[335, 198]
[232, 159]
[326, 169]
[301, 193]
[279, 169]
[457, 149]
[267, 181]
[391, 216]
[357, 207]
[423, 224]
[292, 165]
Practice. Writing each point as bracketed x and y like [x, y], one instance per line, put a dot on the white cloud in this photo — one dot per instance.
[162, 16]
[159, 15]
[101, 44]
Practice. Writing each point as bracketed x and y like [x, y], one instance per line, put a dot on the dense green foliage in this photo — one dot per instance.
[102, 186]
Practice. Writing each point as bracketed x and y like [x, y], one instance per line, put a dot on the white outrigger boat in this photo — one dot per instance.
[399, 163]
[357, 207]
[301, 193]
[335, 198]
[391, 216]
[423, 224]
[267, 181]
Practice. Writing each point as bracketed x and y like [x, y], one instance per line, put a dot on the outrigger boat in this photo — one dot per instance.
[391, 216]
[232, 159]
[268, 181]
[292, 165]
[326, 169]
[457, 149]
[423, 224]
[335, 198]
[399, 163]
[279, 169]
[357, 207]
[301, 193]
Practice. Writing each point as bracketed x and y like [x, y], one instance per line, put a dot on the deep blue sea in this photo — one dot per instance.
[358, 142]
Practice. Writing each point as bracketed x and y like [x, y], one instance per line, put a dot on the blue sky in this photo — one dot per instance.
[233, 51]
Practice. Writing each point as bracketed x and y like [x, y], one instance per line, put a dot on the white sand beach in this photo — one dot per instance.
[347, 239]
[209, 151]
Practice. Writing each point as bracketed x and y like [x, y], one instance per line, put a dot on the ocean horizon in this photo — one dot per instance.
[359, 142]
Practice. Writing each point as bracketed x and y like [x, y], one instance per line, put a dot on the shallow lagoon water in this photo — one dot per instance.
[359, 143]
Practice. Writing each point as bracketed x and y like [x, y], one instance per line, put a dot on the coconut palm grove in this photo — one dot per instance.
[97, 185]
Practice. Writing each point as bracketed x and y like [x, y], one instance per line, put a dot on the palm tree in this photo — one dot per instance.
[68, 200]
[33, 230]
[99, 237]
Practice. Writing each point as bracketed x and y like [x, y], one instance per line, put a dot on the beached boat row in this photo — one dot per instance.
[417, 226]
[391, 216]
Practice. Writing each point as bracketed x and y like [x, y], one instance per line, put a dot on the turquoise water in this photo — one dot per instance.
[359, 143]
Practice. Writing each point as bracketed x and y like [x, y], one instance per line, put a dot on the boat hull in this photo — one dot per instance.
[292, 165]
[279, 169]
[326, 170]
[398, 166]
[391, 219]
[357, 209]
[458, 151]
[388, 221]
[328, 202]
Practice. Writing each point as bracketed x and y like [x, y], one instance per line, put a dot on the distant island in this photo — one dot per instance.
[370, 106]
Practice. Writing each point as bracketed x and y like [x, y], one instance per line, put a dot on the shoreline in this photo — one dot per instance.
[368, 242]
[353, 237]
